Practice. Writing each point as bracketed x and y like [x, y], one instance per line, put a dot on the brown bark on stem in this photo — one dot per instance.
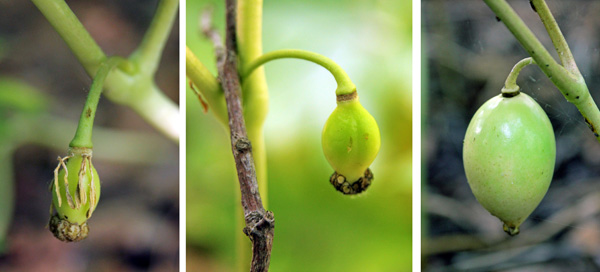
[259, 222]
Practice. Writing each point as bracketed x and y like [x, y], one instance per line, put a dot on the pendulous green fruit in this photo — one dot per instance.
[73, 210]
[508, 154]
[350, 141]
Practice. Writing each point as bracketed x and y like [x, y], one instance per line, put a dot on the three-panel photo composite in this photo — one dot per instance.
[301, 136]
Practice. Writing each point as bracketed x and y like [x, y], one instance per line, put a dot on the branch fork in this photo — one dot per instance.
[566, 77]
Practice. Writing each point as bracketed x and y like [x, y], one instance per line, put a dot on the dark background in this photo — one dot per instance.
[136, 224]
[467, 56]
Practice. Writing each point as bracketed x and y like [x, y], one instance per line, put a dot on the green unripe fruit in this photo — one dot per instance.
[350, 142]
[74, 209]
[508, 154]
[79, 215]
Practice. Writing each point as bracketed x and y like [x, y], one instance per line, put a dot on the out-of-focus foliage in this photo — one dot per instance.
[19, 96]
[317, 228]
[470, 55]
[16, 98]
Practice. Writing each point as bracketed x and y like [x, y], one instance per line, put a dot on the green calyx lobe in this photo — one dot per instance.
[350, 141]
[509, 153]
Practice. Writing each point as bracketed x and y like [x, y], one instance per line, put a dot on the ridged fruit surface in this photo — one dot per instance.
[78, 216]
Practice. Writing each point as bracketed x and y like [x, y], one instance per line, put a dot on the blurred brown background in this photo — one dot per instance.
[467, 56]
[136, 224]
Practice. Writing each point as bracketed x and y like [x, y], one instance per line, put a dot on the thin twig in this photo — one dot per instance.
[259, 222]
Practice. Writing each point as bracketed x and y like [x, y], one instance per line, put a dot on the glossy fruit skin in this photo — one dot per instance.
[350, 140]
[509, 153]
[75, 216]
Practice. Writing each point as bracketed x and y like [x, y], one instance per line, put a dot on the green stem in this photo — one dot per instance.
[64, 21]
[249, 47]
[255, 98]
[259, 154]
[530, 42]
[345, 85]
[572, 86]
[254, 88]
[83, 135]
[149, 52]
[207, 85]
[510, 86]
[558, 39]
[135, 90]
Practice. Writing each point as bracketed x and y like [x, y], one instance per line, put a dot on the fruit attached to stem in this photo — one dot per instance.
[75, 205]
[509, 152]
[350, 142]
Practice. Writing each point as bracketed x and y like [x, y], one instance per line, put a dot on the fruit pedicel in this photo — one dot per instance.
[509, 153]
[76, 185]
[350, 137]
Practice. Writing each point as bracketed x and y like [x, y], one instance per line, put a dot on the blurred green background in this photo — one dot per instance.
[317, 228]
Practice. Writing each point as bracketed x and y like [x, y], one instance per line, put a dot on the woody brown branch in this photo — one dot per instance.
[259, 222]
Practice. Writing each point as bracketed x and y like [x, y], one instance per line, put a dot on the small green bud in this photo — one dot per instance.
[508, 154]
[350, 141]
[75, 206]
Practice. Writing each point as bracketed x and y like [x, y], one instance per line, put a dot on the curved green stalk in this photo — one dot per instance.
[64, 21]
[571, 85]
[83, 135]
[510, 85]
[134, 89]
[345, 85]
[530, 42]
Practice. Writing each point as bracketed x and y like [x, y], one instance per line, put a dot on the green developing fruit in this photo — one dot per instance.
[509, 153]
[350, 142]
[73, 209]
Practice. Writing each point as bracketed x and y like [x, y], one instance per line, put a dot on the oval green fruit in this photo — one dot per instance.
[509, 153]
[69, 224]
[350, 141]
